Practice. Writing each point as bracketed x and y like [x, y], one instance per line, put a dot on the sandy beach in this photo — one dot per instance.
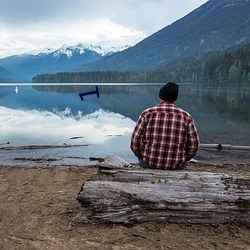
[39, 210]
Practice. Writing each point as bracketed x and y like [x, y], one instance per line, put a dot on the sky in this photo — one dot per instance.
[32, 25]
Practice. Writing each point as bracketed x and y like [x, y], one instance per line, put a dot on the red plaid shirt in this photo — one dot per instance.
[165, 136]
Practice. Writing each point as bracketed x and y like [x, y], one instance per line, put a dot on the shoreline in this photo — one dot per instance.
[57, 156]
[194, 166]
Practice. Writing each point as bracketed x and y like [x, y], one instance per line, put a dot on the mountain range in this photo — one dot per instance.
[7, 76]
[64, 59]
[214, 26]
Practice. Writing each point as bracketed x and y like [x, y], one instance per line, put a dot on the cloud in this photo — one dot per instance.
[30, 24]
[34, 127]
[38, 36]
[22, 12]
[140, 14]
[101, 131]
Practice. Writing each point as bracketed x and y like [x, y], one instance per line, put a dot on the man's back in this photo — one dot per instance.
[165, 136]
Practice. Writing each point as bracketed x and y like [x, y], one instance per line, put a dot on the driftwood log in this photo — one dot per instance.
[29, 147]
[119, 195]
[224, 147]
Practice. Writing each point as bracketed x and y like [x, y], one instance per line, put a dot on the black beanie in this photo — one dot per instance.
[169, 92]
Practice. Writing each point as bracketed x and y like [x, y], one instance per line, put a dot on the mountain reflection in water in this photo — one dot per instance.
[55, 114]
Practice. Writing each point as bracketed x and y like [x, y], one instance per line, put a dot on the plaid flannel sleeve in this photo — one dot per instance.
[193, 141]
[138, 136]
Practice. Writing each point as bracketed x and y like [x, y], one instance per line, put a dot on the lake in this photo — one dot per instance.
[54, 114]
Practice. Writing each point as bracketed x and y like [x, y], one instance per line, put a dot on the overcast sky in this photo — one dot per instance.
[27, 25]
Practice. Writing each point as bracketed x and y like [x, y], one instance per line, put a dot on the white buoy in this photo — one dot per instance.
[16, 90]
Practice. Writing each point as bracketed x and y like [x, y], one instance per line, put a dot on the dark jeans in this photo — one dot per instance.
[145, 165]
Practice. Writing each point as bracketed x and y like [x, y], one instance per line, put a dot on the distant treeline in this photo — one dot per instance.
[231, 66]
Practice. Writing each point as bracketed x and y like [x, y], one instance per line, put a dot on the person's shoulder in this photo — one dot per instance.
[150, 110]
[183, 112]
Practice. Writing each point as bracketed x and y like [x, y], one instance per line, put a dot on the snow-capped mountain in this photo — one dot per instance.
[64, 59]
[81, 48]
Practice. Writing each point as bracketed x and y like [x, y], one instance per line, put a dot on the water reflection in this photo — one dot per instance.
[100, 131]
[226, 101]
[43, 127]
[54, 114]
[230, 102]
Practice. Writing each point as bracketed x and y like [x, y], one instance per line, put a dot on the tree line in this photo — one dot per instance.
[231, 66]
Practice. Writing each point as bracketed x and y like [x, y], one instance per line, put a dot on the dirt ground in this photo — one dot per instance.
[39, 210]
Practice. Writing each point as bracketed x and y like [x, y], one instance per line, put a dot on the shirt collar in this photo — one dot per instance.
[167, 104]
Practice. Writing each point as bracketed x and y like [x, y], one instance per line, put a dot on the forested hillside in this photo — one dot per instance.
[231, 66]
[214, 26]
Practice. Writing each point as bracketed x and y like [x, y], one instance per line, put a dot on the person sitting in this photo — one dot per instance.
[165, 136]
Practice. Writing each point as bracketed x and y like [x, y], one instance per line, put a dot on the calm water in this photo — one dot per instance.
[55, 115]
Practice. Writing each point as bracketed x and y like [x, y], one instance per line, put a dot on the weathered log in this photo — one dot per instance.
[29, 147]
[120, 195]
[224, 147]
[113, 161]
